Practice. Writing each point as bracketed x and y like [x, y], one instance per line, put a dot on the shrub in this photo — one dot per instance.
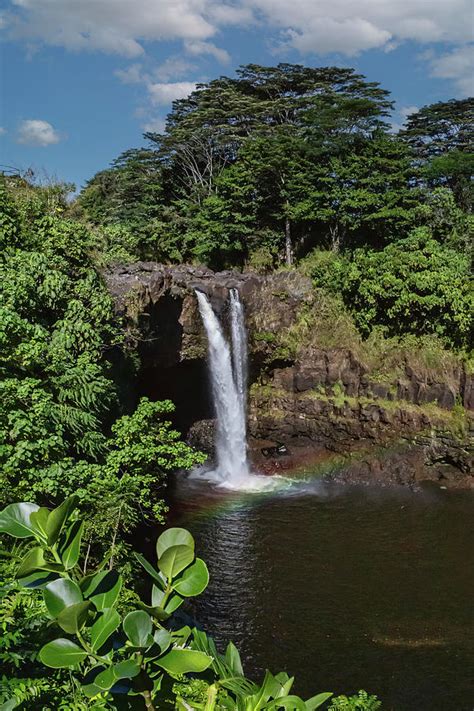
[359, 702]
[415, 286]
[138, 655]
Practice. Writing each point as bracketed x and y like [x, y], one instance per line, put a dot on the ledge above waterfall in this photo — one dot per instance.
[159, 308]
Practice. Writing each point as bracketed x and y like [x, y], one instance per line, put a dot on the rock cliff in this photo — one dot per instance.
[306, 381]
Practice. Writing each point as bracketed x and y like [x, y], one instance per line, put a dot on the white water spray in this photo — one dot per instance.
[239, 347]
[229, 391]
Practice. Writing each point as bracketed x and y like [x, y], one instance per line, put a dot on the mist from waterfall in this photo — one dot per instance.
[228, 373]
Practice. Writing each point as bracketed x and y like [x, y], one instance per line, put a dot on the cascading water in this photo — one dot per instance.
[239, 346]
[228, 389]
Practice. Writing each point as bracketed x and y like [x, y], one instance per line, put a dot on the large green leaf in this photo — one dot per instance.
[38, 520]
[103, 627]
[163, 639]
[155, 574]
[73, 618]
[102, 588]
[193, 580]
[183, 661]
[15, 520]
[58, 517]
[61, 654]
[34, 561]
[138, 626]
[173, 537]
[158, 613]
[70, 546]
[232, 658]
[175, 559]
[157, 596]
[61, 593]
[173, 603]
[127, 669]
[316, 701]
[38, 579]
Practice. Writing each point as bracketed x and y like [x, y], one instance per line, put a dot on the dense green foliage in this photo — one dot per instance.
[277, 162]
[415, 285]
[285, 165]
[289, 157]
[114, 654]
[59, 344]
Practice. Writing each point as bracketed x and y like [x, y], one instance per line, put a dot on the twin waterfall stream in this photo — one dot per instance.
[228, 372]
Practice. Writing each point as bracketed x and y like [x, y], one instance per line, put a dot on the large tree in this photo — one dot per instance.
[441, 136]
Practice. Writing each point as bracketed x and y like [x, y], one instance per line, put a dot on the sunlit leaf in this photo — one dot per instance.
[175, 559]
[61, 593]
[173, 537]
[15, 520]
[61, 654]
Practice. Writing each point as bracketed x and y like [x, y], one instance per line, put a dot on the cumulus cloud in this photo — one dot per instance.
[35, 132]
[313, 27]
[163, 94]
[118, 27]
[199, 47]
[172, 68]
[326, 34]
[457, 65]
[336, 25]
[130, 75]
[323, 26]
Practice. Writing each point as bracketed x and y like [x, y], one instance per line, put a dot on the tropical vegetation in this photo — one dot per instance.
[285, 167]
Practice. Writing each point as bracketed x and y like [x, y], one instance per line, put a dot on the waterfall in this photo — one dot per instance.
[239, 346]
[229, 385]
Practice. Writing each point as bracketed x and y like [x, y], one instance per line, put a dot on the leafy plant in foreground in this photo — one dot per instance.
[137, 655]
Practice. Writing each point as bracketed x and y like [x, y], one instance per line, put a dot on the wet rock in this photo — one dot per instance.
[325, 395]
[201, 435]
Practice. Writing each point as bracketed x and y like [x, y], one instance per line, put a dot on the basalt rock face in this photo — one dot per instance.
[301, 388]
[159, 306]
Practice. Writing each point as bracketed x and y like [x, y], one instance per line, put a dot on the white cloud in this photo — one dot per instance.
[313, 27]
[172, 68]
[122, 26]
[457, 65]
[347, 36]
[114, 26]
[163, 94]
[131, 75]
[402, 114]
[197, 47]
[337, 25]
[2, 131]
[34, 132]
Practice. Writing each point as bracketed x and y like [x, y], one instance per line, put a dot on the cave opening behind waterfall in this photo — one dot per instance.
[185, 384]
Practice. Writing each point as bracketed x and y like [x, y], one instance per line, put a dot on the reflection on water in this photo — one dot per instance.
[344, 587]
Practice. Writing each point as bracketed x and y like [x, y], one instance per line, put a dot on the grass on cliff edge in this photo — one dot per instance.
[326, 323]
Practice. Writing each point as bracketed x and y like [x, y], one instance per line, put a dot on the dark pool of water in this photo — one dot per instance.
[344, 587]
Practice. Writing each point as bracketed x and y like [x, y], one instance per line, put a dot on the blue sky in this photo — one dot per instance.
[80, 80]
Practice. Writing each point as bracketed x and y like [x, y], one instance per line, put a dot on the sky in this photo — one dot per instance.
[81, 80]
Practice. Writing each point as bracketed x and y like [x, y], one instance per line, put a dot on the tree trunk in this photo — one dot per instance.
[288, 246]
[335, 238]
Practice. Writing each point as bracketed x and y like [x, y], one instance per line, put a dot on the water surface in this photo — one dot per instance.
[344, 587]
